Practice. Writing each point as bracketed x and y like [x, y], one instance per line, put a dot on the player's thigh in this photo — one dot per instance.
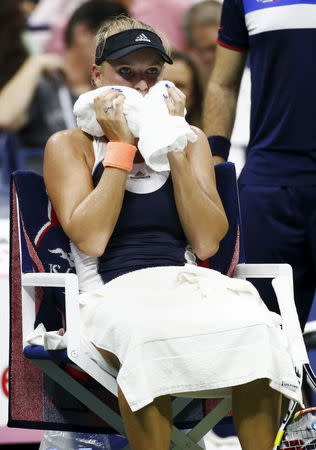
[110, 357]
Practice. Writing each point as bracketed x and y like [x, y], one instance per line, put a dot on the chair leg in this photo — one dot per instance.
[82, 394]
[199, 431]
[209, 421]
[183, 441]
[179, 403]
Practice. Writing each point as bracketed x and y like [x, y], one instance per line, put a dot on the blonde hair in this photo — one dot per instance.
[123, 23]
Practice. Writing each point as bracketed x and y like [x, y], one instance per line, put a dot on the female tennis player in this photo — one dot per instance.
[165, 325]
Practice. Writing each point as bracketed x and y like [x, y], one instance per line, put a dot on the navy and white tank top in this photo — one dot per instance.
[148, 232]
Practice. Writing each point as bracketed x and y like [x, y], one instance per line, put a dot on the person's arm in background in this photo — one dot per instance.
[221, 96]
[17, 94]
[223, 87]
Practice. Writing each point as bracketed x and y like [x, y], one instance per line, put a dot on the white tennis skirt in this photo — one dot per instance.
[187, 331]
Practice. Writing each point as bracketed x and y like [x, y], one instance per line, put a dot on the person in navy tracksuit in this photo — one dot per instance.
[278, 182]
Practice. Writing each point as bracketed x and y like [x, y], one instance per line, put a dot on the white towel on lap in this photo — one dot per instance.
[148, 119]
[57, 340]
[189, 331]
[50, 340]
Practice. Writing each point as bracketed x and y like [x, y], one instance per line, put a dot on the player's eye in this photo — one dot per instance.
[153, 71]
[125, 71]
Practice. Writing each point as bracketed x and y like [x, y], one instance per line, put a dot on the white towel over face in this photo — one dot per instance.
[148, 119]
[161, 133]
[85, 112]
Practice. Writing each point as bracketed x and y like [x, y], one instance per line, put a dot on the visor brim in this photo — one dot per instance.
[133, 48]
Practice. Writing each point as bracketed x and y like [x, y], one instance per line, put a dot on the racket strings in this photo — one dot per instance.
[301, 434]
[297, 445]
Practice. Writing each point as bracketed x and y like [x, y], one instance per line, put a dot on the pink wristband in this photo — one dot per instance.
[119, 155]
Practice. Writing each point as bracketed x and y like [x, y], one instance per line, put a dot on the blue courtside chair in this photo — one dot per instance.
[66, 390]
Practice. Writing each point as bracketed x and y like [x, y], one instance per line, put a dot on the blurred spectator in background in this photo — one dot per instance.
[55, 15]
[28, 6]
[164, 15]
[185, 75]
[126, 3]
[50, 12]
[200, 26]
[13, 52]
[37, 101]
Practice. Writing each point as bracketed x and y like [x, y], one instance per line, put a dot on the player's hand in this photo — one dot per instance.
[175, 101]
[109, 114]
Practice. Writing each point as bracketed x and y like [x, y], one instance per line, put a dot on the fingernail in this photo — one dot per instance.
[167, 85]
[116, 89]
[166, 96]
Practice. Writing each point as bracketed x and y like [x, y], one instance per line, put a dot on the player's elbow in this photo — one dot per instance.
[204, 252]
[93, 248]
[93, 245]
[90, 251]
[208, 247]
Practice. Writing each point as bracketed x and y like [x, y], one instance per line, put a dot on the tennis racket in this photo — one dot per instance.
[298, 428]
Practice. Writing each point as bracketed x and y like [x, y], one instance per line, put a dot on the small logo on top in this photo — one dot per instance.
[139, 175]
[142, 37]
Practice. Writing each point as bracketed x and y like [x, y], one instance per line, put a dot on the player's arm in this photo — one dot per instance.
[87, 214]
[199, 206]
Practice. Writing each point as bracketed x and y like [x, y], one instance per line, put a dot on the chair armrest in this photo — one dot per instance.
[74, 350]
[70, 282]
[46, 279]
[282, 282]
[262, 270]
[310, 327]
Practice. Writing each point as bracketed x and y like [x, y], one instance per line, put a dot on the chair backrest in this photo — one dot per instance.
[7, 154]
[39, 244]
[231, 250]
[44, 245]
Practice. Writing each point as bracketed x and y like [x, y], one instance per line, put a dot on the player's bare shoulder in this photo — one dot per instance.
[66, 146]
[67, 140]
